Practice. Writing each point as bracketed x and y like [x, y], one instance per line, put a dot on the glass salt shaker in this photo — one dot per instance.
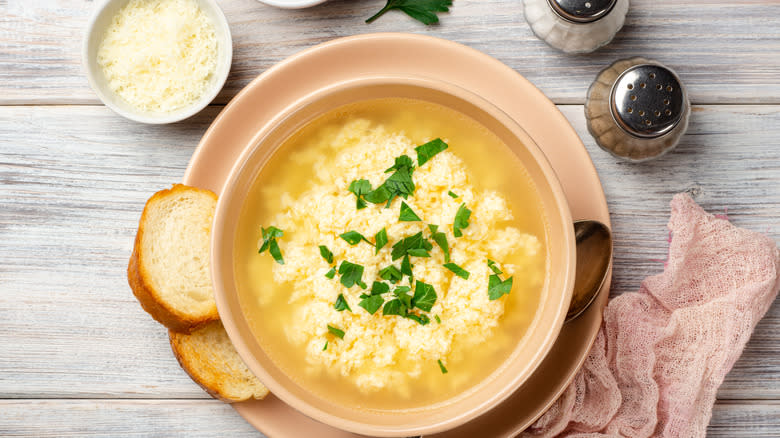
[637, 109]
[576, 26]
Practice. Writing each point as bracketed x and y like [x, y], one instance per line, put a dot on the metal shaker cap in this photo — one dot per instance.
[647, 100]
[582, 11]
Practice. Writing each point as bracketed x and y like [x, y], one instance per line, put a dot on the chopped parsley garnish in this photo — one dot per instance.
[341, 304]
[353, 237]
[498, 288]
[351, 274]
[400, 183]
[378, 196]
[494, 267]
[269, 243]
[424, 296]
[421, 319]
[407, 214]
[381, 240]
[326, 346]
[421, 10]
[391, 274]
[460, 272]
[406, 268]
[441, 239]
[426, 151]
[401, 293]
[326, 254]
[402, 162]
[436, 317]
[417, 241]
[442, 367]
[461, 220]
[336, 331]
[452, 194]
[372, 303]
[394, 307]
[360, 187]
[332, 273]
[379, 288]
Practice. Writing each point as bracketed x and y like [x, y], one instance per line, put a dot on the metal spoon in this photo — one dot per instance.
[594, 256]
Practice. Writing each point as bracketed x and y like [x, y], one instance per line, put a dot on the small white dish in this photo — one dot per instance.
[292, 4]
[97, 80]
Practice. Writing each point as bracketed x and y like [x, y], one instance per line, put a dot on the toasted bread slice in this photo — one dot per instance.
[169, 269]
[209, 357]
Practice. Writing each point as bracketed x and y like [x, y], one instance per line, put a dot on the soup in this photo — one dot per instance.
[391, 254]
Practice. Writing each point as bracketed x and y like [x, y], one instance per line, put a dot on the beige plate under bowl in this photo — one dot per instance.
[399, 54]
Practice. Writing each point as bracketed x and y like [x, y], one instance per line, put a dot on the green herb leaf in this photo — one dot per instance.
[406, 268]
[420, 319]
[452, 194]
[460, 272]
[402, 162]
[378, 196]
[418, 252]
[332, 273]
[353, 237]
[494, 267]
[379, 288]
[351, 274]
[442, 367]
[400, 184]
[270, 235]
[394, 307]
[360, 187]
[336, 331]
[461, 220]
[436, 317]
[421, 10]
[372, 303]
[326, 254]
[401, 290]
[326, 346]
[391, 274]
[381, 240]
[424, 296]
[498, 288]
[417, 241]
[407, 214]
[441, 240]
[341, 304]
[426, 151]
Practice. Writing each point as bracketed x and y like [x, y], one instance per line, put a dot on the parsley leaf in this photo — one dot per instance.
[360, 187]
[326, 346]
[424, 296]
[336, 331]
[331, 273]
[400, 184]
[460, 272]
[269, 243]
[372, 303]
[378, 196]
[403, 246]
[407, 214]
[436, 317]
[442, 367]
[420, 319]
[379, 288]
[326, 254]
[452, 194]
[421, 10]
[351, 274]
[381, 240]
[402, 162]
[418, 252]
[353, 237]
[406, 268]
[391, 274]
[441, 240]
[428, 150]
[341, 304]
[498, 288]
[461, 220]
[401, 293]
[494, 267]
[394, 307]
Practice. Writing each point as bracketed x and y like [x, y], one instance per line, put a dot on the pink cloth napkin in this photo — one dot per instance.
[662, 352]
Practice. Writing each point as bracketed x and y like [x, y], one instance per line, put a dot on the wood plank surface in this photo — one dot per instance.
[725, 51]
[209, 418]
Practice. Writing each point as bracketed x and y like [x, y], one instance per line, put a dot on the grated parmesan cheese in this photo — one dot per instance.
[159, 55]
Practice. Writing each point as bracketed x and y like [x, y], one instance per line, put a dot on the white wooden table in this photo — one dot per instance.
[80, 358]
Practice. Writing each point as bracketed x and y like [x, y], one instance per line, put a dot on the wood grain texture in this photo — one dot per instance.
[725, 52]
[209, 418]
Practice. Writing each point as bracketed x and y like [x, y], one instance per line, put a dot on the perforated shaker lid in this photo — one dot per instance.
[647, 100]
[582, 11]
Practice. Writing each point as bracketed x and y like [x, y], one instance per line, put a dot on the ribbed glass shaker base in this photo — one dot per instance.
[572, 37]
[611, 137]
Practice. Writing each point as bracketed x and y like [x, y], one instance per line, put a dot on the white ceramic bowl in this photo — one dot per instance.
[292, 4]
[97, 80]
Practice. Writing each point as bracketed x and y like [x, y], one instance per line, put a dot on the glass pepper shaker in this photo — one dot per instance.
[637, 109]
[575, 26]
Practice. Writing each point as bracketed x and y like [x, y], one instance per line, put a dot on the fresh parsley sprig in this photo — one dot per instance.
[421, 10]
[270, 235]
